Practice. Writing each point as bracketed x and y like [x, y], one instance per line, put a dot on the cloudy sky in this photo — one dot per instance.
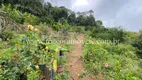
[126, 13]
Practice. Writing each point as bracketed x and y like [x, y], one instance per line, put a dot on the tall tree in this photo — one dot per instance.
[90, 20]
[99, 22]
[80, 20]
[47, 7]
[91, 12]
[71, 18]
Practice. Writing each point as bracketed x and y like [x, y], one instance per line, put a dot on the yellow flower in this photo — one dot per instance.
[46, 48]
[36, 30]
[28, 68]
[55, 65]
[57, 50]
[30, 27]
[37, 67]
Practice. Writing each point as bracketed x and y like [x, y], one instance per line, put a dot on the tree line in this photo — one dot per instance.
[49, 13]
[46, 12]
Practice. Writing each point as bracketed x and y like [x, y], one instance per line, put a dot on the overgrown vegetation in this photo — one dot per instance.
[112, 61]
[114, 53]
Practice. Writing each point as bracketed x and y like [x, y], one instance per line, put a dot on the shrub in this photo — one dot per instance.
[116, 33]
[55, 27]
[138, 44]
[23, 56]
[31, 19]
[16, 15]
[113, 61]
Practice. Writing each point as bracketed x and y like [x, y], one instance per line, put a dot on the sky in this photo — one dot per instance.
[125, 13]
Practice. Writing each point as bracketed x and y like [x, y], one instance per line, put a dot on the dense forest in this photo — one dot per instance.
[45, 12]
[124, 57]
[48, 13]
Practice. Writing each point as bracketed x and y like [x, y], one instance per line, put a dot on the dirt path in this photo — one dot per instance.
[76, 64]
[74, 61]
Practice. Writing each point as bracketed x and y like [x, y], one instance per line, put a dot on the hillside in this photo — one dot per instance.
[39, 41]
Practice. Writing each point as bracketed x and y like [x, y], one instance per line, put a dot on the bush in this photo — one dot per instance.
[79, 29]
[116, 33]
[23, 56]
[31, 19]
[113, 61]
[55, 27]
[7, 35]
[138, 44]
[48, 19]
[16, 15]
[20, 17]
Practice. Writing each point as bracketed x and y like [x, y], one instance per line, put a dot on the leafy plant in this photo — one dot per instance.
[112, 61]
[138, 44]
[61, 61]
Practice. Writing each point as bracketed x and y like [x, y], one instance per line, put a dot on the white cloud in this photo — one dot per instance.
[81, 3]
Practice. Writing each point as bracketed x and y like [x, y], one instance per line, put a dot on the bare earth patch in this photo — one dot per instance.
[75, 64]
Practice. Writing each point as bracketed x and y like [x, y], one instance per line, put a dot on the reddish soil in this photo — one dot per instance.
[75, 64]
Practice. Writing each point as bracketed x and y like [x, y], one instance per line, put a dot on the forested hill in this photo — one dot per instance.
[61, 17]
[27, 26]
[48, 13]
